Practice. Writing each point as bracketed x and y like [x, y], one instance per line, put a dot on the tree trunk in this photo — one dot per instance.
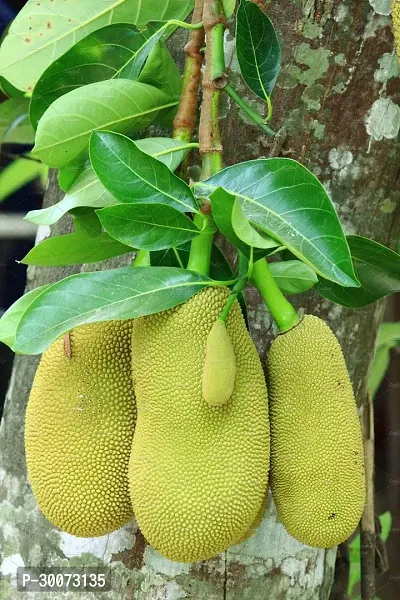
[335, 97]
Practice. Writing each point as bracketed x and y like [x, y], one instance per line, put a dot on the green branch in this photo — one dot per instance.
[255, 117]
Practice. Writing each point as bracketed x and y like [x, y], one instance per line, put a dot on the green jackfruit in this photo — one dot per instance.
[396, 24]
[219, 366]
[198, 473]
[317, 459]
[79, 427]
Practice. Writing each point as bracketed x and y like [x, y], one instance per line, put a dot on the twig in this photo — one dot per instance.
[367, 526]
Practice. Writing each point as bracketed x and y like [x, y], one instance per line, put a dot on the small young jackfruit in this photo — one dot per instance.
[79, 427]
[199, 474]
[219, 366]
[317, 459]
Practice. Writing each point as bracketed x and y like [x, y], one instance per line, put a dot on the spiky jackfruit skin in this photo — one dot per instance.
[79, 427]
[396, 24]
[198, 473]
[219, 370]
[317, 459]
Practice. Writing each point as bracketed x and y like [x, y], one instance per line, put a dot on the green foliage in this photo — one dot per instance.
[293, 276]
[283, 199]
[19, 173]
[246, 232]
[154, 227]
[131, 175]
[118, 105]
[377, 268]
[42, 31]
[229, 7]
[258, 49]
[161, 71]
[388, 338]
[124, 293]
[11, 318]
[14, 122]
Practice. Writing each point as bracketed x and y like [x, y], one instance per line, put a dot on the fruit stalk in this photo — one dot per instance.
[214, 80]
[281, 310]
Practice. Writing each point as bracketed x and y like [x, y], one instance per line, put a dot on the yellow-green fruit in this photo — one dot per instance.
[219, 366]
[79, 427]
[396, 24]
[317, 460]
[198, 473]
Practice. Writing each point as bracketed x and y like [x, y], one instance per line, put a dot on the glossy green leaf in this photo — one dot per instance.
[43, 31]
[118, 105]
[148, 227]
[87, 190]
[68, 174]
[115, 51]
[161, 71]
[222, 203]
[86, 221]
[229, 7]
[8, 89]
[132, 175]
[15, 127]
[258, 49]
[283, 199]
[379, 367]
[389, 334]
[377, 268]
[73, 249]
[293, 276]
[124, 293]
[11, 318]
[17, 174]
[246, 232]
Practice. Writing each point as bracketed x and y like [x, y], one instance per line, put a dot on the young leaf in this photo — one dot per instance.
[43, 31]
[114, 51]
[258, 49]
[124, 293]
[246, 232]
[149, 227]
[87, 190]
[14, 122]
[283, 199]
[118, 105]
[73, 249]
[131, 175]
[17, 174]
[377, 268]
[293, 276]
[161, 71]
[11, 318]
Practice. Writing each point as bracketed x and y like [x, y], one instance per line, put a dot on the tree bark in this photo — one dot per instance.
[336, 97]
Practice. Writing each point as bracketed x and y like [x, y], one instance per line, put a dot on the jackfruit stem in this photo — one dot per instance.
[238, 288]
[281, 310]
[142, 259]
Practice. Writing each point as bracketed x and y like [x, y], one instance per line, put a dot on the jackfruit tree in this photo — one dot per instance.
[178, 253]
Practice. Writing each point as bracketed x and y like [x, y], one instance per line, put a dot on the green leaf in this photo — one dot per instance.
[43, 31]
[161, 71]
[293, 276]
[229, 7]
[68, 174]
[124, 293]
[131, 175]
[386, 525]
[86, 221]
[118, 105]
[6, 87]
[73, 249]
[258, 49]
[87, 190]
[148, 227]
[283, 199]
[246, 232]
[379, 367]
[15, 127]
[389, 334]
[222, 203]
[377, 268]
[11, 318]
[115, 51]
[19, 173]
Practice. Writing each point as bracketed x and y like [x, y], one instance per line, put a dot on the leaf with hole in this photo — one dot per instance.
[88, 191]
[257, 47]
[283, 199]
[118, 105]
[43, 31]
[15, 127]
[293, 276]
[147, 226]
[377, 268]
[124, 293]
[114, 51]
[133, 176]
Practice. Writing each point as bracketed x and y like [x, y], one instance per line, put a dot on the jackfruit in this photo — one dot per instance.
[317, 459]
[79, 427]
[198, 473]
[219, 366]
[396, 24]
